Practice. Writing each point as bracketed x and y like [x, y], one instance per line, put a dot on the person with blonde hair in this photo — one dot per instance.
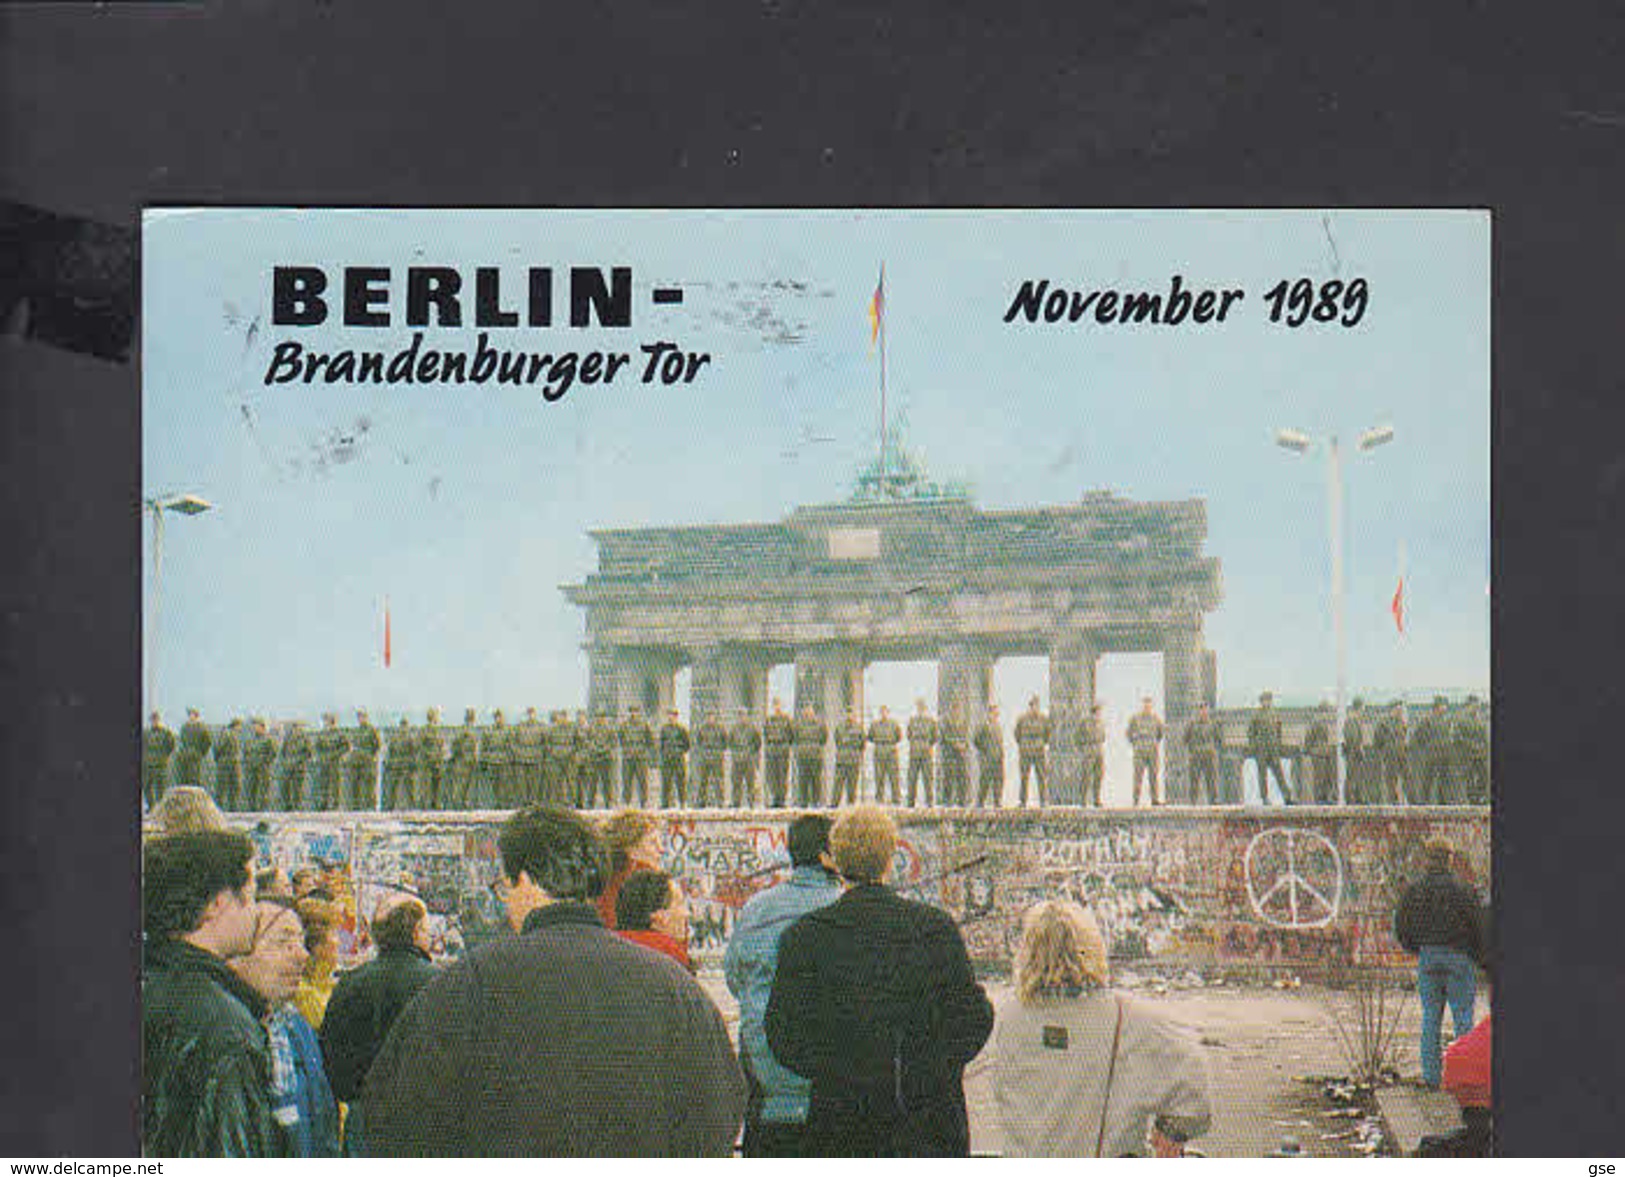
[185, 809]
[874, 1001]
[1079, 1070]
[632, 838]
[321, 923]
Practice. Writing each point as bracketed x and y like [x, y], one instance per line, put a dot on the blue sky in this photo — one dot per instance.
[467, 506]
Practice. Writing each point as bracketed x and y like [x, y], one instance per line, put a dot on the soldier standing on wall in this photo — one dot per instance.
[464, 762]
[600, 761]
[194, 746]
[1388, 744]
[674, 744]
[955, 733]
[810, 737]
[1092, 743]
[228, 766]
[885, 735]
[331, 747]
[528, 740]
[489, 789]
[294, 767]
[1264, 747]
[258, 753]
[363, 768]
[1470, 749]
[710, 749]
[579, 755]
[923, 735]
[1317, 746]
[778, 734]
[398, 764]
[1430, 751]
[430, 745]
[157, 745]
[1032, 744]
[744, 743]
[849, 741]
[1357, 787]
[637, 749]
[561, 746]
[989, 742]
[1202, 747]
[1145, 733]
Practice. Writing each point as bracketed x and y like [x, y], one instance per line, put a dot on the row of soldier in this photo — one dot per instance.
[601, 763]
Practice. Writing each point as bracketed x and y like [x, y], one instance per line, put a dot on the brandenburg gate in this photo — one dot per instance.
[928, 577]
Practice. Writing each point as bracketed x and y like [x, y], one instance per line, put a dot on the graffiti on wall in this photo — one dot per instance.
[1267, 889]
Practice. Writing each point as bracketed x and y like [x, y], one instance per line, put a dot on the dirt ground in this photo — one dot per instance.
[1261, 1042]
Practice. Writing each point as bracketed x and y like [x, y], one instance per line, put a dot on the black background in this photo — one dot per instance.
[787, 103]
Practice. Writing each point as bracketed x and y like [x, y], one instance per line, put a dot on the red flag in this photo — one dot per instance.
[877, 307]
[1397, 608]
[386, 633]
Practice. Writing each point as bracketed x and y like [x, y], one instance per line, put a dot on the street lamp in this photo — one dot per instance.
[1299, 442]
[186, 504]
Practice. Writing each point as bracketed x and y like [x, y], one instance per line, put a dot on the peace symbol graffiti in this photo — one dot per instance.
[1294, 878]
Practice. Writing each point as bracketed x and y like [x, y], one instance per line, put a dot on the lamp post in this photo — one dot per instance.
[1299, 442]
[185, 504]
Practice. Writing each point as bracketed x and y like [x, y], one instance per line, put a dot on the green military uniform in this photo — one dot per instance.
[674, 745]
[1430, 752]
[399, 762]
[1092, 743]
[600, 762]
[810, 737]
[1389, 746]
[258, 754]
[885, 735]
[778, 735]
[578, 760]
[464, 765]
[1032, 744]
[955, 739]
[493, 775]
[637, 740]
[293, 765]
[989, 741]
[710, 750]
[1264, 746]
[849, 740]
[430, 746]
[1145, 733]
[228, 769]
[187, 767]
[331, 747]
[1317, 746]
[157, 746]
[744, 745]
[561, 750]
[1359, 788]
[530, 752]
[1202, 748]
[1470, 753]
[362, 777]
[923, 735]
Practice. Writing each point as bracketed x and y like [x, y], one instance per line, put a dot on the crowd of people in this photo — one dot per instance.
[599, 762]
[585, 1032]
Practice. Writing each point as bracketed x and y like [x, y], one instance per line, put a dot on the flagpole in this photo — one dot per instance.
[885, 486]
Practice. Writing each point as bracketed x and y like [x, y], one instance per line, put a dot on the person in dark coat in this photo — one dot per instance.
[875, 1002]
[367, 1000]
[564, 1040]
[1441, 920]
[206, 1065]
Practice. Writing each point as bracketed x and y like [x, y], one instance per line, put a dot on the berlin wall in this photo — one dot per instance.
[1307, 889]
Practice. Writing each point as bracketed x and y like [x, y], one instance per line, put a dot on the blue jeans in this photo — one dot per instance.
[1443, 974]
